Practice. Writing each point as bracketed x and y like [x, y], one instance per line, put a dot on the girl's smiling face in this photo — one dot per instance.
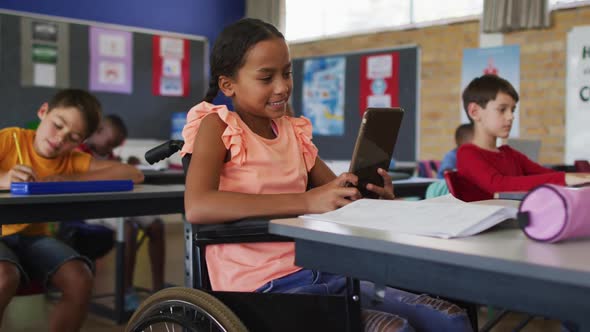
[263, 85]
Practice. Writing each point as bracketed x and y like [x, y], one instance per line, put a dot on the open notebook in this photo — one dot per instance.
[444, 218]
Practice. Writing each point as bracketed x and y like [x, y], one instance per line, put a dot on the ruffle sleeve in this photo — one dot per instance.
[303, 130]
[232, 136]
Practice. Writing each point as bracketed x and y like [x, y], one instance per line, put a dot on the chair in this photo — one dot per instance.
[428, 168]
[463, 189]
[582, 166]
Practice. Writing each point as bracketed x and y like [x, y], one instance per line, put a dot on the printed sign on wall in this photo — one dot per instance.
[171, 64]
[45, 50]
[111, 60]
[323, 94]
[577, 88]
[379, 85]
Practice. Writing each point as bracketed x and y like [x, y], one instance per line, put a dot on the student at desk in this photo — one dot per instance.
[463, 135]
[111, 133]
[489, 102]
[26, 250]
[257, 161]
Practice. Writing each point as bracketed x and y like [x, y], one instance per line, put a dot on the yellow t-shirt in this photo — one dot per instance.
[70, 163]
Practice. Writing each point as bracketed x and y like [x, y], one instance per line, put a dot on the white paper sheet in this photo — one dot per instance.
[44, 74]
[445, 218]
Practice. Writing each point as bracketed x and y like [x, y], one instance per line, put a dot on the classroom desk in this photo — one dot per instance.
[405, 186]
[562, 167]
[408, 167]
[168, 176]
[143, 200]
[500, 267]
[412, 187]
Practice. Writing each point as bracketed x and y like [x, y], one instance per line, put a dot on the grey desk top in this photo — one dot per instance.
[500, 250]
[142, 200]
[139, 191]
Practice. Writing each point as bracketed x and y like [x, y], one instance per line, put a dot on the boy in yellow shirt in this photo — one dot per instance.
[26, 250]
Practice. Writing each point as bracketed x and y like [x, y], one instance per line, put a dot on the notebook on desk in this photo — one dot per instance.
[446, 217]
[69, 187]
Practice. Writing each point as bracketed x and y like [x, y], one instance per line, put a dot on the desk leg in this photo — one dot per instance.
[353, 304]
[120, 273]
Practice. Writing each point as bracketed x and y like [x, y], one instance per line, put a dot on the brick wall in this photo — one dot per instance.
[542, 76]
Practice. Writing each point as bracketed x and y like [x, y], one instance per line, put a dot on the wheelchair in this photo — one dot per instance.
[197, 308]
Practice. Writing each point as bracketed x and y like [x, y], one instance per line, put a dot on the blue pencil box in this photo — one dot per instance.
[69, 187]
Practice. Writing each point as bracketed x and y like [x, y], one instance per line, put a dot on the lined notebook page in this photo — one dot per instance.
[444, 218]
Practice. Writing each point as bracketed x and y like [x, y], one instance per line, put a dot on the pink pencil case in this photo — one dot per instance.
[551, 213]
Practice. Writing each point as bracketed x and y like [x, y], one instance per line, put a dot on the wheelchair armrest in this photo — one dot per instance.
[243, 230]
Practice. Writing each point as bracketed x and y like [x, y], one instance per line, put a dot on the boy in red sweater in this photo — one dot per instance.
[490, 102]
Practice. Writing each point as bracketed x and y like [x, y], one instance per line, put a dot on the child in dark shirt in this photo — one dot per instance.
[463, 135]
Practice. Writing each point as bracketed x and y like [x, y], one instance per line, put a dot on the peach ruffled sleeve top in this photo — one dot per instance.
[257, 166]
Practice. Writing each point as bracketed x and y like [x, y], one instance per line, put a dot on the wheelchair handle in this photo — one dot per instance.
[163, 151]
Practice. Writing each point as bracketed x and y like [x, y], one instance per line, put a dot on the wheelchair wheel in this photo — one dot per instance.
[184, 309]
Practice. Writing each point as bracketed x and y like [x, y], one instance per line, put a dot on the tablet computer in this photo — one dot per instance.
[374, 146]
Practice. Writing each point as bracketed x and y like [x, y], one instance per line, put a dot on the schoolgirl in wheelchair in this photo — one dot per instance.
[258, 161]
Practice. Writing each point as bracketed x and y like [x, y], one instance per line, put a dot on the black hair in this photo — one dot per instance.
[485, 88]
[231, 46]
[86, 103]
[118, 124]
[462, 131]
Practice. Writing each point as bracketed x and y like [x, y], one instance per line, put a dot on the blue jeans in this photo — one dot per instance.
[421, 312]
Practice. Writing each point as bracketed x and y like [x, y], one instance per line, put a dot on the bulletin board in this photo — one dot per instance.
[339, 147]
[145, 114]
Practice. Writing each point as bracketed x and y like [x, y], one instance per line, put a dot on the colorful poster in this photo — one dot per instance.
[171, 64]
[323, 94]
[45, 50]
[577, 109]
[503, 61]
[111, 60]
[379, 83]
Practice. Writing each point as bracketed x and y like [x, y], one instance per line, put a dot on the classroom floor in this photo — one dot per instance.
[30, 313]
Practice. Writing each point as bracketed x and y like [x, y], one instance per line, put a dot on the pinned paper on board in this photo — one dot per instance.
[111, 45]
[44, 74]
[379, 84]
[44, 53]
[172, 68]
[111, 73]
[171, 48]
[111, 60]
[45, 31]
[170, 62]
[324, 80]
[45, 50]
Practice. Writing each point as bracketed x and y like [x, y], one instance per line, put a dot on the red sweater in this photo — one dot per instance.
[507, 170]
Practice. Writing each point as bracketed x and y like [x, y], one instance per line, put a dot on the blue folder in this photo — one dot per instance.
[69, 187]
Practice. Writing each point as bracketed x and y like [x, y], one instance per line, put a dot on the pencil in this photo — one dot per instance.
[18, 153]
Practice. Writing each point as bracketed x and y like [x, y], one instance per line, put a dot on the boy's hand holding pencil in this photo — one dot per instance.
[20, 172]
